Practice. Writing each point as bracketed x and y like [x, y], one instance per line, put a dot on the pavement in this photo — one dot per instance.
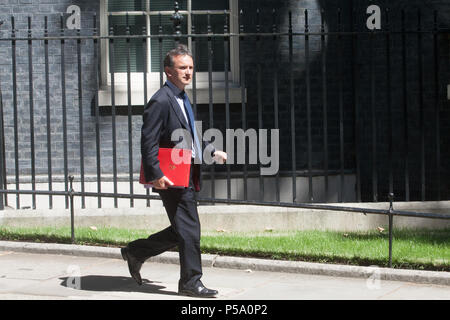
[30, 271]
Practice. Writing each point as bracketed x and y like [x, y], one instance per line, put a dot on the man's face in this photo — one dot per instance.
[180, 74]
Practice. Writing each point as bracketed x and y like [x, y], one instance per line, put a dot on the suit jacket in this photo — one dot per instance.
[162, 116]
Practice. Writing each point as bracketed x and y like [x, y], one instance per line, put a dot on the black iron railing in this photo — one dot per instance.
[320, 110]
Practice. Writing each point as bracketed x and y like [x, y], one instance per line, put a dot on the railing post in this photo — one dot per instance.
[176, 19]
[292, 110]
[3, 182]
[437, 103]
[72, 215]
[2, 149]
[64, 106]
[391, 216]
[47, 112]
[243, 93]
[113, 105]
[31, 108]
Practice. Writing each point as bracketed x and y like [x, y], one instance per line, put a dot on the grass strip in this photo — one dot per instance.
[412, 249]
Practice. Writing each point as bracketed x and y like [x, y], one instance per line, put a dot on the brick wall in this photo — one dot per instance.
[53, 9]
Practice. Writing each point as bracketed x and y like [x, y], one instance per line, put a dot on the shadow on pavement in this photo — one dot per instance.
[113, 283]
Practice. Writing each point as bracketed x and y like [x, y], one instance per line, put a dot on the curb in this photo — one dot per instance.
[252, 264]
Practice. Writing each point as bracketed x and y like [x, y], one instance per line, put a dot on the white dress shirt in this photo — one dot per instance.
[183, 110]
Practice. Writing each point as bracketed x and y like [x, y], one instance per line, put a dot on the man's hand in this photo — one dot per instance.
[162, 183]
[220, 157]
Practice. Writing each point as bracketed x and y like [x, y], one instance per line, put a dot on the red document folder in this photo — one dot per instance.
[175, 164]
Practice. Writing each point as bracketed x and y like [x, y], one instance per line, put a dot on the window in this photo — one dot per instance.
[154, 17]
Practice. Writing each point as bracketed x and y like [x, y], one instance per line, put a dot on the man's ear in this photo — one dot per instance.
[167, 72]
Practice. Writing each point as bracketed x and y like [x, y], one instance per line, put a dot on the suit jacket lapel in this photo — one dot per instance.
[176, 108]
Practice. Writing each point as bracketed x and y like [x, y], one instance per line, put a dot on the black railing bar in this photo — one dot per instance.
[36, 192]
[160, 52]
[419, 214]
[166, 12]
[97, 54]
[405, 108]
[3, 202]
[193, 12]
[437, 106]
[292, 110]
[113, 111]
[389, 106]
[31, 110]
[327, 207]
[142, 196]
[259, 89]
[222, 35]
[15, 113]
[356, 108]
[275, 94]
[92, 177]
[194, 71]
[64, 109]
[374, 128]
[421, 83]
[81, 194]
[227, 96]
[176, 18]
[285, 173]
[144, 74]
[340, 89]
[210, 96]
[129, 114]
[243, 97]
[324, 75]
[308, 110]
[125, 177]
[80, 116]
[48, 115]
[242, 202]
[84, 194]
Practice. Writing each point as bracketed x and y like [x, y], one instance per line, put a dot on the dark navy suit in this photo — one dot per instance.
[162, 116]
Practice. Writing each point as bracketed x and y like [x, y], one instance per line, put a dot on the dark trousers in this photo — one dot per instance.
[184, 232]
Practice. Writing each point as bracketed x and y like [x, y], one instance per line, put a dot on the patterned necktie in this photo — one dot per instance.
[190, 114]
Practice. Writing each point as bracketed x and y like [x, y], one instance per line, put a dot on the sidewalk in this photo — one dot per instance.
[249, 264]
[86, 273]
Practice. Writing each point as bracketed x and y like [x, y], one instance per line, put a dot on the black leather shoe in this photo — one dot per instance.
[199, 292]
[134, 266]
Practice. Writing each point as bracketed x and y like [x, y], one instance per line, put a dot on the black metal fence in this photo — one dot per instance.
[340, 98]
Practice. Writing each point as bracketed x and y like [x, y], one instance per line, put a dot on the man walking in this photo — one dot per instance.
[168, 110]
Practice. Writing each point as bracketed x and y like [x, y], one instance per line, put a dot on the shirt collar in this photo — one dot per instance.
[176, 91]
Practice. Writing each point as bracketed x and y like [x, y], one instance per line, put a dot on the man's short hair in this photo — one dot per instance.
[180, 50]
